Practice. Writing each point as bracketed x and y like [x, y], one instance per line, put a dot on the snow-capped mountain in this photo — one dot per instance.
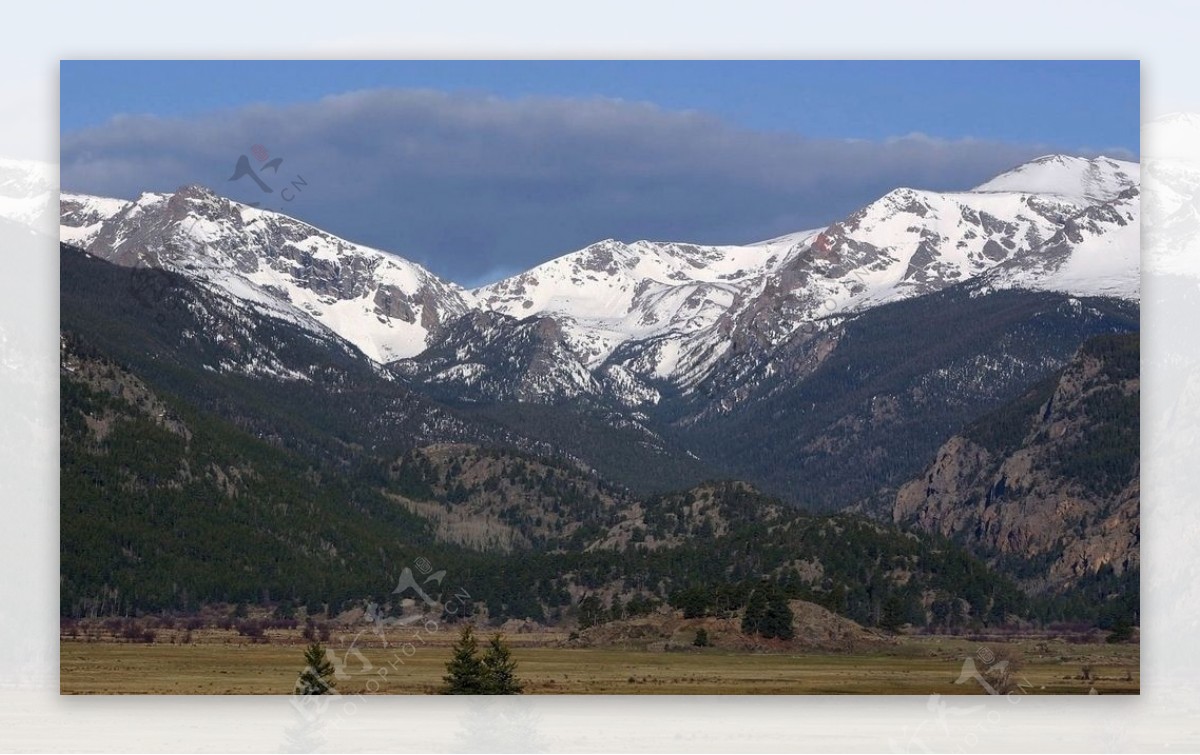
[1076, 178]
[611, 292]
[384, 305]
[635, 321]
[1096, 252]
[676, 313]
[1172, 211]
[490, 356]
[912, 242]
[27, 191]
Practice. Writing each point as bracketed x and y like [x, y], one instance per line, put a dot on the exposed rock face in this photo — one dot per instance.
[1051, 479]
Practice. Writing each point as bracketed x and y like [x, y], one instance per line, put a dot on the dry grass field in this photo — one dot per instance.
[217, 662]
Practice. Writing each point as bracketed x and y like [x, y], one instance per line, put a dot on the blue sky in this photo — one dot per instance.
[478, 169]
[1088, 103]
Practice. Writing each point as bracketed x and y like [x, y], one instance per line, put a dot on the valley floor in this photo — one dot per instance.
[216, 664]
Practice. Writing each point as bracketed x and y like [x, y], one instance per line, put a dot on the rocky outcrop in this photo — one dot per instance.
[1050, 480]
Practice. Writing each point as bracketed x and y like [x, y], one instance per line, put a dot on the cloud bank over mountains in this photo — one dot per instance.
[477, 187]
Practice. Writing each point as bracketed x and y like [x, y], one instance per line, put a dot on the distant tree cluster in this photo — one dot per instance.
[768, 614]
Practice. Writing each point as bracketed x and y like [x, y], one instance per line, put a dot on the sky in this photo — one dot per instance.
[481, 169]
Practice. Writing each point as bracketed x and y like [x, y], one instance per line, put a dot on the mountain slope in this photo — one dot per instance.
[886, 387]
[215, 515]
[611, 292]
[384, 305]
[311, 391]
[306, 390]
[1049, 483]
[491, 357]
[167, 506]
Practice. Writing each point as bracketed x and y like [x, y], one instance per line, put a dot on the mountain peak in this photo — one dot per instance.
[197, 191]
[386, 306]
[1079, 179]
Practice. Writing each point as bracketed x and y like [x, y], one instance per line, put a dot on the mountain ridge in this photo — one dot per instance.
[673, 298]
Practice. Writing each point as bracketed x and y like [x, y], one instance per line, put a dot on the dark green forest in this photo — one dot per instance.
[184, 486]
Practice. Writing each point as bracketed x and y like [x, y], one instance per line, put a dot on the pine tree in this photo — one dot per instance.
[893, 614]
[768, 614]
[779, 619]
[701, 640]
[756, 611]
[500, 670]
[464, 671]
[591, 612]
[317, 677]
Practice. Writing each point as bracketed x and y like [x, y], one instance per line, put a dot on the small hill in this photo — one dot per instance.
[816, 628]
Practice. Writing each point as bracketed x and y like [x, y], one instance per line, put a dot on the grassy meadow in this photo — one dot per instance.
[214, 662]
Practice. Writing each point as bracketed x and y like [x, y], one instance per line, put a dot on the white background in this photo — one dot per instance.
[1165, 717]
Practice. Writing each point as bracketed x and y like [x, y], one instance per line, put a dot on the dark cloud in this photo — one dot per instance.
[477, 187]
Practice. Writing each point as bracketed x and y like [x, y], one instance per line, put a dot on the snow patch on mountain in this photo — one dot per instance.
[1095, 253]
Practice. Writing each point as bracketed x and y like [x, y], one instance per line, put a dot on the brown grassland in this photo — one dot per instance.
[212, 661]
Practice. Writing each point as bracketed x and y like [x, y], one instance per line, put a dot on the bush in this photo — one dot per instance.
[252, 629]
[1122, 631]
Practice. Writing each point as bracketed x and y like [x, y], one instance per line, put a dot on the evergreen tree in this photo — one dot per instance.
[779, 618]
[500, 670]
[591, 612]
[892, 616]
[693, 601]
[701, 640]
[317, 677]
[768, 614]
[465, 674]
[756, 611]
